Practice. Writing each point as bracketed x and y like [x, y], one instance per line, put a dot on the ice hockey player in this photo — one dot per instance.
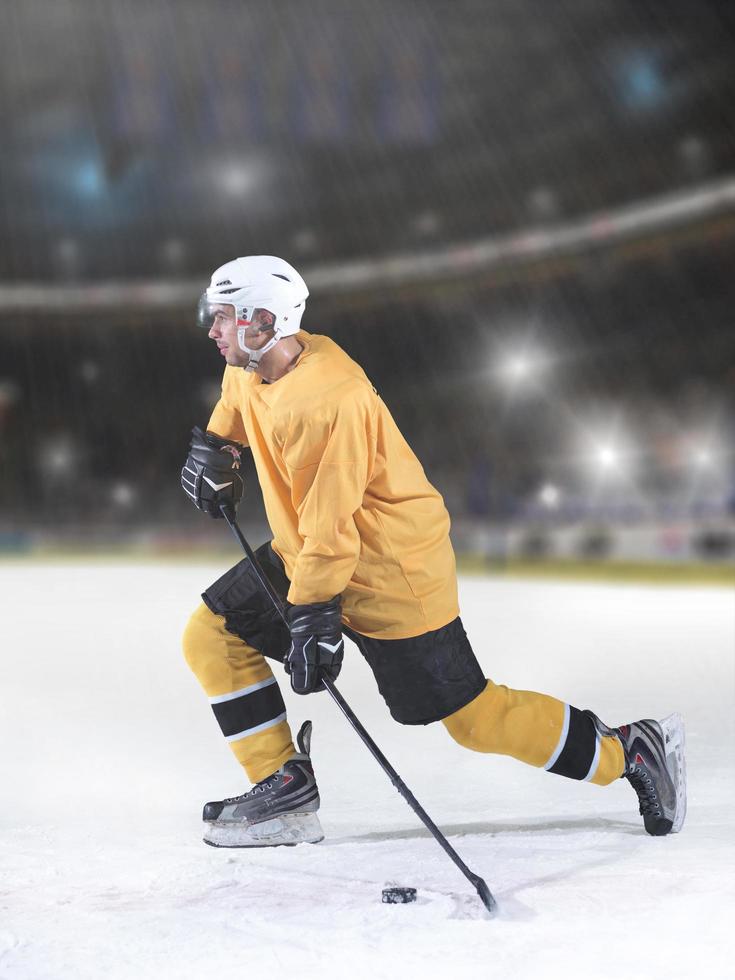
[360, 548]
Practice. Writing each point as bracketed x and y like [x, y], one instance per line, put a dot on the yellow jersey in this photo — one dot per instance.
[348, 503]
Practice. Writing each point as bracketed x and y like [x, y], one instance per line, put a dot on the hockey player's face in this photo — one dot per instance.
[224, 333]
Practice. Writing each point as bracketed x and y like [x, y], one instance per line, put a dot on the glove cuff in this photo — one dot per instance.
[315, 617]
[207, 441]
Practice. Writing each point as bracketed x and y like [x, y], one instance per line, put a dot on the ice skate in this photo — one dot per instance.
[656, 769]
[278, 810]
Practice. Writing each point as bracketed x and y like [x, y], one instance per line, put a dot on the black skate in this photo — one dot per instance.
[656, 769]
[278, 810]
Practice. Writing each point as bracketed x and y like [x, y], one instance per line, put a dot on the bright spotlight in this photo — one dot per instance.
[706, 453]
[549, 496]
[517, 368]
[521, 369]
[703, 457]
[238, 178]
[608, 453]
[607, 457]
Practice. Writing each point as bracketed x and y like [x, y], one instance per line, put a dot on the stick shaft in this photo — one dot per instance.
[397, 781]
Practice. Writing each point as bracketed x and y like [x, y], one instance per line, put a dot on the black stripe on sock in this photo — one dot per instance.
[576, 757]
[249, 710]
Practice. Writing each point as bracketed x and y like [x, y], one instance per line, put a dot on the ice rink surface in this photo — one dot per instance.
[108, 749]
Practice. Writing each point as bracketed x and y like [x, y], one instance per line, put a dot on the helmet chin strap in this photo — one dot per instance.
[255, 355]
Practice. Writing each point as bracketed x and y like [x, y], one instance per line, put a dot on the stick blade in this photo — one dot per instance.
[486, 897]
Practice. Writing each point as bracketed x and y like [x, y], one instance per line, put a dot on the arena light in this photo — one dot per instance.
[549, 496]
[707, 457]
[58, 458]
[521, 368]
[89, 178]
[517, 368]
[236, 179]
[239, 177]
[607, 457]
[122, 494]
[606, 453]
[705, 451]
[703, 457]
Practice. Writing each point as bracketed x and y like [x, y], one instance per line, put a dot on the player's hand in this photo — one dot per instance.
[211, 473]
[317, 646]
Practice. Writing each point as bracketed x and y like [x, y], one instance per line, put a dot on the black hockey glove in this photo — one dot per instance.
[317, 646]
[211, 473]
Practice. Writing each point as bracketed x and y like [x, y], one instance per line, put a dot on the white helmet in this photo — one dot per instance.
[256, 282]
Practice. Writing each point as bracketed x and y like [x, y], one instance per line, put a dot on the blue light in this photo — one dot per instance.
[89, 179]
[642, 85]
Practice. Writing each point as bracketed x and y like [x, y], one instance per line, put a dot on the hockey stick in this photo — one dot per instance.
[482, 890]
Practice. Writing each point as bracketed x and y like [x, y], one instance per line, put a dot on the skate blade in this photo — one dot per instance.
[675, 742]
[285, 829]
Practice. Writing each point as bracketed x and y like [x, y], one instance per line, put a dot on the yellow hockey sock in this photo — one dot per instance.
[539, 730]
[242, 692]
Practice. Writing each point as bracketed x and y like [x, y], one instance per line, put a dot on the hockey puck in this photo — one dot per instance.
[398, 896]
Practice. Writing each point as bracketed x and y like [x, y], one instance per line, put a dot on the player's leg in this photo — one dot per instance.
[538, 730]
[544, 732]
[242, 691]
[436, 676]
[224, 643]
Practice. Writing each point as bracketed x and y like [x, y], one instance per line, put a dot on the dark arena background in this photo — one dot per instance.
[519, 217]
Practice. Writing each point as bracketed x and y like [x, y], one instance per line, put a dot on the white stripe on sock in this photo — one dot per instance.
[256, 728]
[258, 686]
[562, 739]
[595, 758]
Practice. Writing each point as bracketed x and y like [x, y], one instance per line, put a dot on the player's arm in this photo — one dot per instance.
[211, 474]
[211, 477]
[330, 458]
